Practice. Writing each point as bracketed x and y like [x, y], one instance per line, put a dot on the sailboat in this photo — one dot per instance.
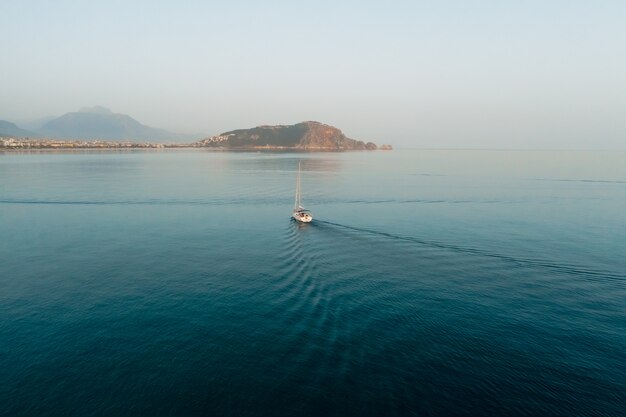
[300, 214]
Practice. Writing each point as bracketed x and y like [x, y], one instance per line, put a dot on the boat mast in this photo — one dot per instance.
[297, 203]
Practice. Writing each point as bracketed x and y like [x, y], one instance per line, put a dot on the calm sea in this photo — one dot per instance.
[431, 283]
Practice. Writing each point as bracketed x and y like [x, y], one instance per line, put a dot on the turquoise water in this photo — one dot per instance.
[431, 283]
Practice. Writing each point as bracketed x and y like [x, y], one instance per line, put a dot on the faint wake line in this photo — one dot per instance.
[581, 180]
[216, 202]
[270, 199]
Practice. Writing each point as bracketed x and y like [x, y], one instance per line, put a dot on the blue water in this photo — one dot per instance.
[431, 283]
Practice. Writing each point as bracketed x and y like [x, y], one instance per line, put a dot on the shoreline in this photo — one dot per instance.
[7, 150]
[160, 147]
[12, 144]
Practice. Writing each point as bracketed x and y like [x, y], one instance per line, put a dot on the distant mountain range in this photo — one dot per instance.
[95, 123]
[10, 129]
[305, 135]
[100, 123]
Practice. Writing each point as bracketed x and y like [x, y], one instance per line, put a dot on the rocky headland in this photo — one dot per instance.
[304, 136]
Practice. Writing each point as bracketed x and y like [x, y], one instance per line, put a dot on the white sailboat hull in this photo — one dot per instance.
[302, 217]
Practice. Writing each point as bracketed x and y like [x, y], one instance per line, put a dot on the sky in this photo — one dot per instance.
[416, 74]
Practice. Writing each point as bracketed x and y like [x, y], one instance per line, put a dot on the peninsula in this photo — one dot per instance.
[99, 128]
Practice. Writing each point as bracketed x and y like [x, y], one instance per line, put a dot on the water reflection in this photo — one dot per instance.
[287, 162]
[301, 227]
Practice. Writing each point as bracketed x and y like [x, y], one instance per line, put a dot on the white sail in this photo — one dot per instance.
[300, 213]
[297, 202]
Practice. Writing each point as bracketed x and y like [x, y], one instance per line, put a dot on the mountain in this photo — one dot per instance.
[305, 135]
[100, 123]
[11, 130]
[34, 124]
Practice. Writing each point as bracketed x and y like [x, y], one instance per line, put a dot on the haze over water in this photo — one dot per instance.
[430, 283]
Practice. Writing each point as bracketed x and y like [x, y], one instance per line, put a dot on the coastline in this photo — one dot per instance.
[17, 145]
[24, 150]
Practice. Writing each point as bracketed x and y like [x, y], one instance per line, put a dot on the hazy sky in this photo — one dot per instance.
[503, 74]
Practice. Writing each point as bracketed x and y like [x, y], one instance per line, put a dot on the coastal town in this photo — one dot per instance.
[8, 143]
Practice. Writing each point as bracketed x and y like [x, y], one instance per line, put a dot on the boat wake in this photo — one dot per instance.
[590, 274]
